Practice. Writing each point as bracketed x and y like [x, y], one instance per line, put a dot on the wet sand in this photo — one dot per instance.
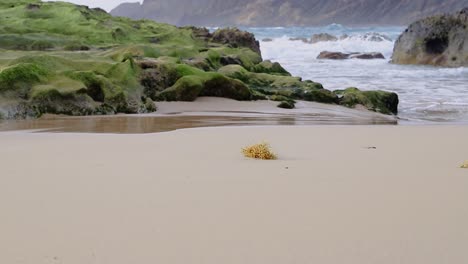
[338, 194]
[205, 112]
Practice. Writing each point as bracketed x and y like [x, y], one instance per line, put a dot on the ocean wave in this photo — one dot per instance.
[427, 93]
[287, 47]
[335, 26]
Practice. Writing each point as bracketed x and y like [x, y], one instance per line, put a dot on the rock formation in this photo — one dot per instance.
[322, 37]
[438, 40]
[327, 55]
[92, 63]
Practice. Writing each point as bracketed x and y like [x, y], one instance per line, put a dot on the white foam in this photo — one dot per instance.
[283, 47]
[426, 93]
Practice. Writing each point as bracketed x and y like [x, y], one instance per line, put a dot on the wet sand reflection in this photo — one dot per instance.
[138, 124]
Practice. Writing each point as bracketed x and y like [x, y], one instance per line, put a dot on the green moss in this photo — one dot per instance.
[62, 84]
[280, 98]
[56, 102]
[221, 86]
[235, 71]
[57, 57]
[286, 105]
[186, 88]
[76, 46]
[378, 101]
[271, 68]
[319, 95]
[150, 106]
[125, 74]
[185, 70]
[213, 59]
[101, 89]
[20, 78]
[189, 87]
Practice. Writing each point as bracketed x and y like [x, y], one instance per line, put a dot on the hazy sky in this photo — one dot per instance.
[104, 4]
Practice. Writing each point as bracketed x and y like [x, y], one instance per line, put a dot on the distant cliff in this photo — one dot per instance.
[287, 12]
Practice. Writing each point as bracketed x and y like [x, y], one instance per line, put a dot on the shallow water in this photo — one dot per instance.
[427, 94]
[140, 124]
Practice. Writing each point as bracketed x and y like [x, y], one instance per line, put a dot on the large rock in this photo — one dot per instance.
[237, 38]
[327, 55]
[129, 67]
[367, 55]
[439, 40]
[378, 101]
[322, 37]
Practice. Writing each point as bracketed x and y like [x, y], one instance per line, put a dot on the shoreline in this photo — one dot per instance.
[206, 112]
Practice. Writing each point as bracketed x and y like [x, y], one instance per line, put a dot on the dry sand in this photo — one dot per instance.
[189, 196]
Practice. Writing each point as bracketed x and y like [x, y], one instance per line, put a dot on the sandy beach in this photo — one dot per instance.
[337, 194]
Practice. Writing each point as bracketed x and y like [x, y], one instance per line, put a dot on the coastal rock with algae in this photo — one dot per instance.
[438, 40]
[62, 58]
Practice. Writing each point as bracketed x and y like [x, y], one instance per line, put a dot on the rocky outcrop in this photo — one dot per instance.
[236, 38]
[322, 37]
[383, 102]
[129, 66]
[287, 12]
[439, 40]
[305, 40]
[327, 55]
[375, 37]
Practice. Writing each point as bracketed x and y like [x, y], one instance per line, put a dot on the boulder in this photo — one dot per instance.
[376, 37]
[354, 55]
[322, 37]
[327, 55]
[305, 40]
[367, 56]
[439, 40]
[286, 105]
[377, 101]
[237, 38]
[229, 60]
[270, 67]
[189, 87]
[200, 32]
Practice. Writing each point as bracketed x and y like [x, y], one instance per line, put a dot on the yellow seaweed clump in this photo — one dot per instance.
[259, 151]
[465, 165]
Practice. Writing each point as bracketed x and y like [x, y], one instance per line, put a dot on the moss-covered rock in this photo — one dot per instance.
[189, 87]
[55, 102]
[18, 79]
[286, 105]
[150, 105]
[280, 98]
[317, 95]
[157, 79]
[62, 58]
[221, 86]
[378, 101]
[271, 68]
[186, 88]
[235, 71]
[236, 38]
